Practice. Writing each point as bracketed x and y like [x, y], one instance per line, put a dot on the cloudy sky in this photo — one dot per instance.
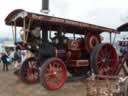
[108, 13]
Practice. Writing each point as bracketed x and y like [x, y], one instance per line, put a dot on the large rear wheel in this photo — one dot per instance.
[53, 73]
[104, 59]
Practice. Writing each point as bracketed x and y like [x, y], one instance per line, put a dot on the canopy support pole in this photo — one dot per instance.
[24, 27]
[15, 32]
[110, 38]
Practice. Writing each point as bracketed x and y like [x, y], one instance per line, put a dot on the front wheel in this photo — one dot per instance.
[53, 73]
[29, 72]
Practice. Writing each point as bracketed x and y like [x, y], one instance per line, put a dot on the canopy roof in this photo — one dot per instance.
[123, 27]
[53, 23]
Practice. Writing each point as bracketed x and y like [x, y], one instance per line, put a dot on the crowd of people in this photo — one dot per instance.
[10, 57]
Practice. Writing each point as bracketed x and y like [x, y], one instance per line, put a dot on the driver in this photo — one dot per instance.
[60, 41]
[36, 32]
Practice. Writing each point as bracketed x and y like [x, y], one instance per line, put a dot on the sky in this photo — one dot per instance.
[108, 13]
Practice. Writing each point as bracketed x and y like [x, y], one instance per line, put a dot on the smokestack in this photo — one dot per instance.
[45, 6]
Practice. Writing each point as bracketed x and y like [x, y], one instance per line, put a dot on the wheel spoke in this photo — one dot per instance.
[101, 66]
[105, 51]
[55, 68]
[57, 79]
[36, 75]
[100, 57]
[99, 62]
[102, 54]
[111, 61]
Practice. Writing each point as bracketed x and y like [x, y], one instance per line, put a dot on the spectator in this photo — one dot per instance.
[5, 62]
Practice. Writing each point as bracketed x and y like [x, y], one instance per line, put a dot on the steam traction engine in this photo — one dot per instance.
[75, 47]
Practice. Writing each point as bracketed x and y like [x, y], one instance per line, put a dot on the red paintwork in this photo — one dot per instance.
[91, 40]
[61, 54]
[78, 63]
[72, 56]
[74, 44]
[74, 50]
